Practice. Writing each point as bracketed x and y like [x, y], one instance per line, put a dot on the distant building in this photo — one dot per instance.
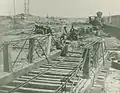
[5, 17]
[113, 20]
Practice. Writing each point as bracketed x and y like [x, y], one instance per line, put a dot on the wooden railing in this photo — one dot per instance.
[25, 50]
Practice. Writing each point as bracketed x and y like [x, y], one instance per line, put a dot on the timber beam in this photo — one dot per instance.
[11, 76]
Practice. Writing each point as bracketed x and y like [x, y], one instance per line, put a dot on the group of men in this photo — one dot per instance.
[42, 29]
[74, 34]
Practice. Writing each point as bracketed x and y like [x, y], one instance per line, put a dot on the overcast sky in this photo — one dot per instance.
[62, 8]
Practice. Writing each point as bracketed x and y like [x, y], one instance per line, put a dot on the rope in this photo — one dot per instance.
[37, 53]
[43, 51]
[54, 39]
[68, 77]
[22, 49]
[19, 54]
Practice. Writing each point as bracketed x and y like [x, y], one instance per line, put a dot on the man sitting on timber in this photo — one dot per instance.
[42, 29]
[39, 29]
[49, 30]
[73, 34]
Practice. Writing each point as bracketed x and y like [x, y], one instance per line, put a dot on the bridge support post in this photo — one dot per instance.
[30, 51]
[86, 62]
[96, 53]
[64, 50]
[6, 57]
[49, 45]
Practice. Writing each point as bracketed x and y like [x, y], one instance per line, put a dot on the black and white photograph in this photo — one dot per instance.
[59, 46]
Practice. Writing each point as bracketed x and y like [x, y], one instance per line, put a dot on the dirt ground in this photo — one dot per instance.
[113, 81]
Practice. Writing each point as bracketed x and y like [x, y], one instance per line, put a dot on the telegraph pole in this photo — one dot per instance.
[109, 18]
[26, 7]
[14, 13]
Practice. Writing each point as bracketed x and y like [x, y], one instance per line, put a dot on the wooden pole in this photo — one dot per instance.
[49, 45]
[31, 48]
[6, 57]
[102, 46]
[86, 63]
[64, 50]
[99, 52]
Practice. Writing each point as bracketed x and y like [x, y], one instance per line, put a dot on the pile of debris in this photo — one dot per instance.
[112, 43]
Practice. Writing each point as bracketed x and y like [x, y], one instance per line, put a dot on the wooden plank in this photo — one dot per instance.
[35, 87]
[41, 81]
[50, 81]
[49, 76]
[33, 84]
[3, 91]
[116, 65]
[41, 78]
[28, 90]
[57, 73]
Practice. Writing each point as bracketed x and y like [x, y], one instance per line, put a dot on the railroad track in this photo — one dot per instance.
[48, 78]
[60, 75]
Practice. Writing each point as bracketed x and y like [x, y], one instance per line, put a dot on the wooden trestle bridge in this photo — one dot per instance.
[46, 69]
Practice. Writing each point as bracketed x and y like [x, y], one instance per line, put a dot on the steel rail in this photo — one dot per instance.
[39, 74]
[68, 77]
[71, 74]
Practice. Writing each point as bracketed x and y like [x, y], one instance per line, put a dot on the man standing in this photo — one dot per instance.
[98, 23]
[73, 34]
[100, 19]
